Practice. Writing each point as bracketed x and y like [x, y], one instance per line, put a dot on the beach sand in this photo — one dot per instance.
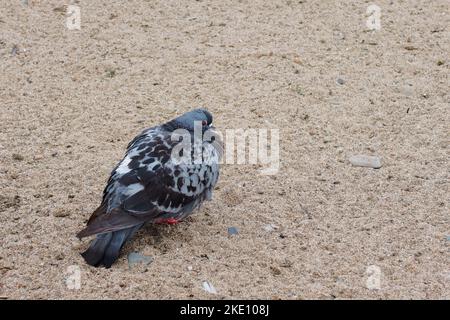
[72, 99]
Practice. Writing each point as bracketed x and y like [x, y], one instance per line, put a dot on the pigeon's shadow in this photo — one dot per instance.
[159, 236]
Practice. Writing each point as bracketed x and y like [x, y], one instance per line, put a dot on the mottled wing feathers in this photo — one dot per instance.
[113, 221]
[142, 135]
[98, 212]
[146, 185]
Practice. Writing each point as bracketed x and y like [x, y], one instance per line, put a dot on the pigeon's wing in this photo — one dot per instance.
[115, 220]
[147, 184]
[169, 187]
[147, 133]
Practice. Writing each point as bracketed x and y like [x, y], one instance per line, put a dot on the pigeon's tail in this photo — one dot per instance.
[104, 250]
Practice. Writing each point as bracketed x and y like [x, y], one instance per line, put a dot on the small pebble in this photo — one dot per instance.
[232, 231]
[340, 81]
[17, 157]
[60, 256]
[136, 258]
[365, 161]
[14, 50]
[61, 213]
[286, 263]
[208, 287]
[275, 270]
[270, 227]
[339, 35]
[189, 268]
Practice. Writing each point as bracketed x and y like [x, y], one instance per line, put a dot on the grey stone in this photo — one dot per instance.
[136, 258]
[208, 287]
[365, 161]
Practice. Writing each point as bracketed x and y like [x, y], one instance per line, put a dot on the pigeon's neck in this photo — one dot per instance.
[172, 125]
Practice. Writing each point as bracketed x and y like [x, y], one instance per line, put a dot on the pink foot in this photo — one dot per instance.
[170, 221]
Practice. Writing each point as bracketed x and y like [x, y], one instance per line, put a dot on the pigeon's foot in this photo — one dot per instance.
[170, 221]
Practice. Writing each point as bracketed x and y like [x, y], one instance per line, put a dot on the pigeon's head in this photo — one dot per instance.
[190, 119]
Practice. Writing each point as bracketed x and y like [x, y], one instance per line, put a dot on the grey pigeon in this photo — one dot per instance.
[160, 180]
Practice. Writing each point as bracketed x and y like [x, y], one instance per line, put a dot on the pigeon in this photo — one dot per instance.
[167, 172]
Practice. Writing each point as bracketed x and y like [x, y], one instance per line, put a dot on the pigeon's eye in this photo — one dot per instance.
[204, 123]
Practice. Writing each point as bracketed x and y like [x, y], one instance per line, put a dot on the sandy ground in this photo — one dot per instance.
[71, 100]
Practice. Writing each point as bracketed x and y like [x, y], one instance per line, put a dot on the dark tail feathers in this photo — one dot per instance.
[105, 249]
